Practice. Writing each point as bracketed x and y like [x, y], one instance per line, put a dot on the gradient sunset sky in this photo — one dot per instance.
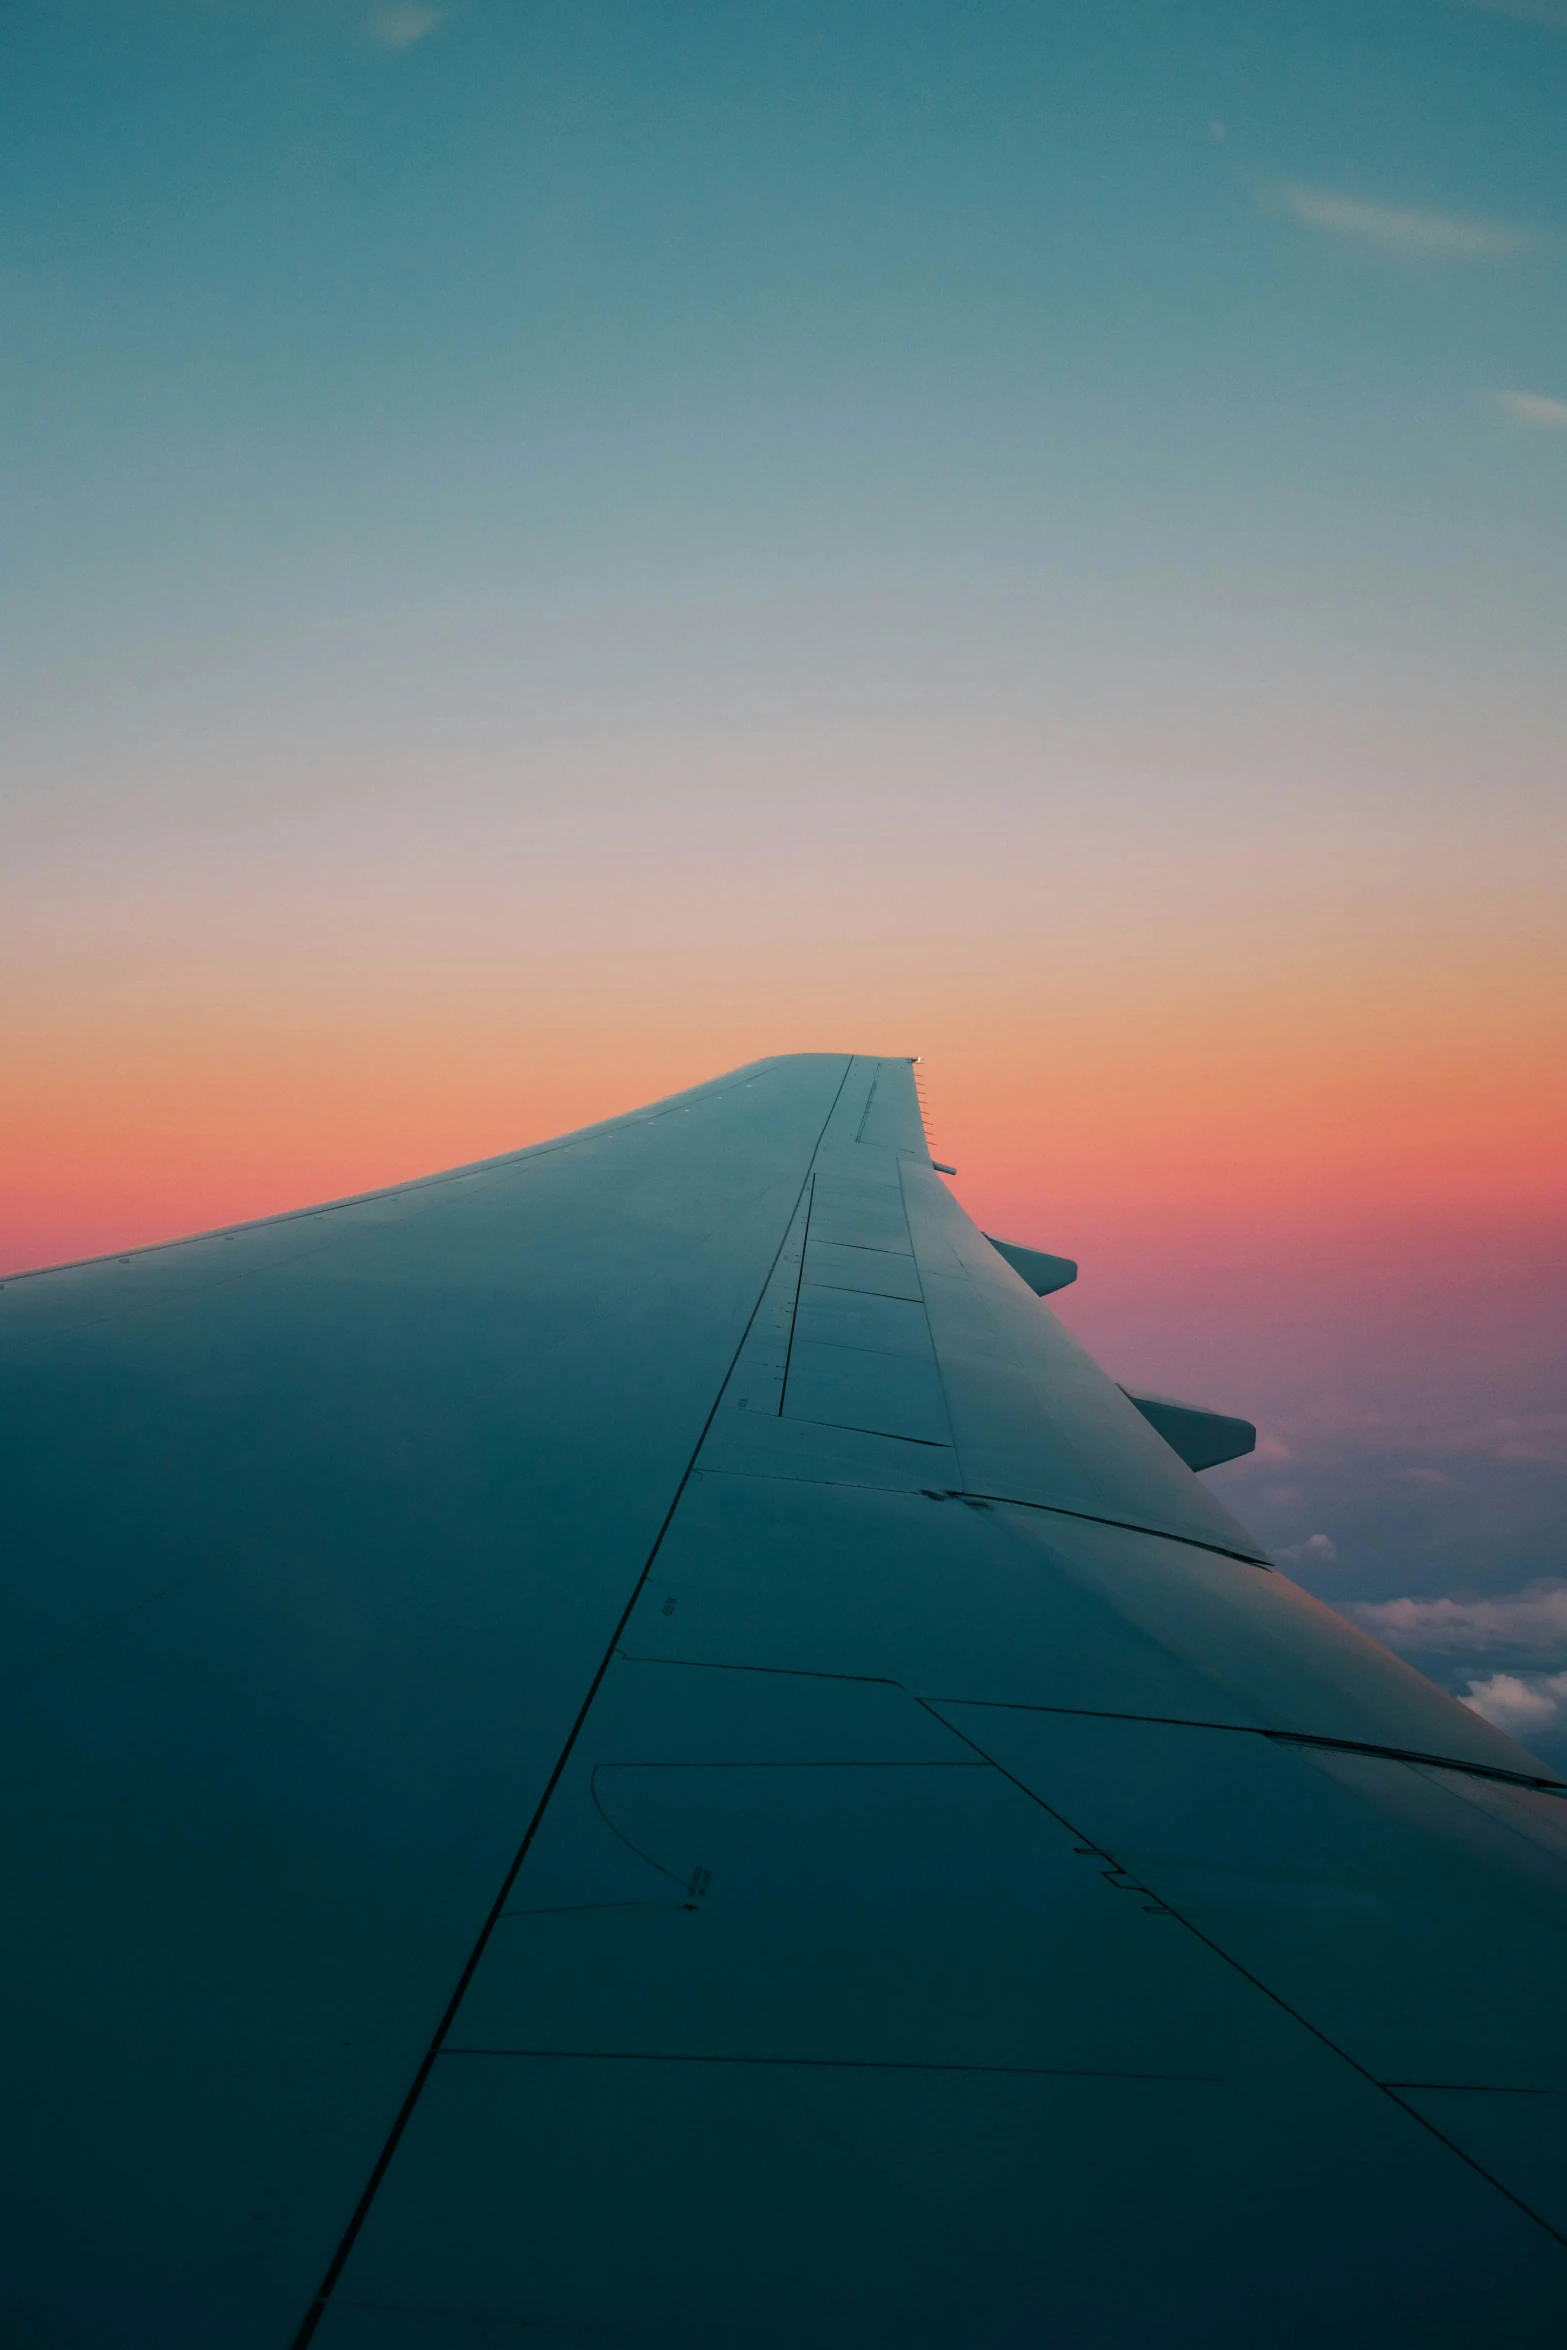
[553, 549]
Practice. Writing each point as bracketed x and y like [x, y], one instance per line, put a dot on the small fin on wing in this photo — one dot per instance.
[1203, 1439]
[1042, 1273]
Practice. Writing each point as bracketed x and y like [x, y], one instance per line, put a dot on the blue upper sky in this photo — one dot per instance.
[732, 293]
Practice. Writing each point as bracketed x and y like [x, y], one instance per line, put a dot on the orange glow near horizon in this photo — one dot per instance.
[1130, 1082]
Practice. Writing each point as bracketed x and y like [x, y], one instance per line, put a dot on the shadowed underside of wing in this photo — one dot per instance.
[632, 1745]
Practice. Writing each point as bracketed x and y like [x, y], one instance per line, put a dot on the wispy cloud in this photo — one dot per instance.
[1536, 408]
[1549, 12]
[1532, 1621]
[1522, 1703]
[1409, 234]
[1338, 1432]
[400, 27]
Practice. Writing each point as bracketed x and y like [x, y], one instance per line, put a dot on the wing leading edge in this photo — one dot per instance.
[719, 1784]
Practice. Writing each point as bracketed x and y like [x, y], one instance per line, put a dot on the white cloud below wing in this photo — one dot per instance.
[1531, 1621]
[1518, 1703]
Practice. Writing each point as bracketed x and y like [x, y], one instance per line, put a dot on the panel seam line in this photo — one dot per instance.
[361, 2212]
[1387, 2089]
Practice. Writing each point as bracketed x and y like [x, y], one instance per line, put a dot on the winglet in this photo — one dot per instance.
[1042, 1273]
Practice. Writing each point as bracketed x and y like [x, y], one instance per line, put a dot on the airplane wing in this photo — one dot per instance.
[631, 1744]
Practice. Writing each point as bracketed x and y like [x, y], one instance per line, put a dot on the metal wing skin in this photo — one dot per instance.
[632, 1745]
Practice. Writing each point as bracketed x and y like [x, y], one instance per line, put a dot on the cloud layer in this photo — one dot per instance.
[1531, 1621]
[1409, 234]
[1528, 1701]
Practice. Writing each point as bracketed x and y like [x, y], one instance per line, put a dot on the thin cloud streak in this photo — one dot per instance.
[1408, 234]
[1534, 408]
[1335, 1432]
[1546, 12]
